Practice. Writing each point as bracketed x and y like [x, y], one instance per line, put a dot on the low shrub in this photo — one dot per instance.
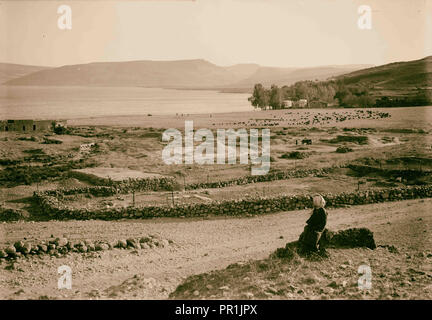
[343, 149]
[295, 155]
[354, 139]
[51, 141]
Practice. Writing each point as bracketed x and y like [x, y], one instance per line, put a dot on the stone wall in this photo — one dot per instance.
[107, 187]
[271, 176]
[52, 205]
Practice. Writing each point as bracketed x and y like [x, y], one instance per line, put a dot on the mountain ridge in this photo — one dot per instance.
[191, 73]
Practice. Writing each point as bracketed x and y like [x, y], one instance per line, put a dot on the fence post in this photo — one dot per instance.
[172, 196]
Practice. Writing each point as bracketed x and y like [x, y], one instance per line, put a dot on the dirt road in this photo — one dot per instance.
[200, 245]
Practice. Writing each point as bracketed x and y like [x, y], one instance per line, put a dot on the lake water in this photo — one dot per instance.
[30, 102]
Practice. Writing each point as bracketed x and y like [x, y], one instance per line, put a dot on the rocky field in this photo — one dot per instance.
[206, 245]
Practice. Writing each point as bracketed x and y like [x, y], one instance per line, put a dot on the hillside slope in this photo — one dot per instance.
[287, 76]
[9, 71]
[394, 76]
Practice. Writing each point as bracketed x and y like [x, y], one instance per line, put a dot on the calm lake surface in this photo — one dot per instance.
[31, 102]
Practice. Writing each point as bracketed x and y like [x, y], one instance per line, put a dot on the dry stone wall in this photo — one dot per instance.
[52, 205]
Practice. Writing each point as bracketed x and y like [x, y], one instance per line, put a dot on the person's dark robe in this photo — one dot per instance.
[315, 225]
[317, 221]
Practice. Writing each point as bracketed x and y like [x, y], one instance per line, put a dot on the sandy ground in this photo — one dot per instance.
[200, 245]
[412, 117]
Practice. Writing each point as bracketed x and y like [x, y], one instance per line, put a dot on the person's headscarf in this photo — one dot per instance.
[318, 201]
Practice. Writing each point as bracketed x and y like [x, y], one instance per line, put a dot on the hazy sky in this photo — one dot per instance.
[287, 33]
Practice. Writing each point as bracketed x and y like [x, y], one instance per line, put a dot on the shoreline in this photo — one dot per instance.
[400, 117]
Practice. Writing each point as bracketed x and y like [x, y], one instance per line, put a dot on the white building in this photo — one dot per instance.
[302, 103]
[288, 103]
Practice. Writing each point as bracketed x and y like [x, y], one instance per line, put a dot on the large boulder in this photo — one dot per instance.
[351, 238]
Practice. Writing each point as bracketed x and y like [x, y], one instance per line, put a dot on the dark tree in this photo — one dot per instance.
[259, 98]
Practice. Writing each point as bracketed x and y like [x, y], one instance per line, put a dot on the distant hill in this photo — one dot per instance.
[243, 71]
[398, 76]
[9, 71]
[287, 76]
[182, 73]
[174, 74]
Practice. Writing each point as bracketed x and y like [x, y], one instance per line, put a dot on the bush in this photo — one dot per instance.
[295, 155]
[32, 138]
[51, 141]
[59, 129]
[343, 149]
[10, 214]
[353, 139]
[34, 151]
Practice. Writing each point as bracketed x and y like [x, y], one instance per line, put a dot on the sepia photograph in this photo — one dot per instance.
[215, 150]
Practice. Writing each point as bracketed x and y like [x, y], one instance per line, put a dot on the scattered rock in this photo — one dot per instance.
[10, 250]
[132, 243]
[145, 239]
[42, 248]
[112, 244]
[60, 242]
[61, 246]
[62, 250]
[26, 248]
[19, 245]
[145, 246]
[164, 243]
[101, 247]
[122, 244]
